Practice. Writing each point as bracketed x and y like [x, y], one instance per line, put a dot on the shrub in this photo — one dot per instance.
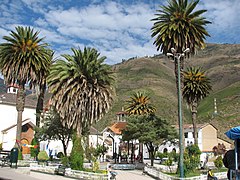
[191, 158]
[20, 154]
[43, 156]
[34, 150]
[218, 162]
[76, 156]
[60, 155]
[65, 160]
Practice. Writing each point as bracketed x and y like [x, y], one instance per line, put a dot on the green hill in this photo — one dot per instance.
[155, 76]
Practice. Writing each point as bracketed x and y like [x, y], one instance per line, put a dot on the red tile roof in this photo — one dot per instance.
[118, 127]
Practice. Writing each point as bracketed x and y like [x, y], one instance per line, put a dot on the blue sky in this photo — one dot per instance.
[118, 29]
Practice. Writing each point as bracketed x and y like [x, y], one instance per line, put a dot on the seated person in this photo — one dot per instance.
[113, 173]
[211, 176]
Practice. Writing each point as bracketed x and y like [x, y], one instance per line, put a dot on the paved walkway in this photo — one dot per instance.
[7, 173]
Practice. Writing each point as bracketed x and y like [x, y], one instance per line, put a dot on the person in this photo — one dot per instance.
[113, 174]
[210, 175]
[229, 159]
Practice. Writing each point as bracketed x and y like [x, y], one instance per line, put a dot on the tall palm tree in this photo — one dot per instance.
[81, 87]
[178, 26]
[139, 104]
[42, 85]
[23, 58]
[196, 87]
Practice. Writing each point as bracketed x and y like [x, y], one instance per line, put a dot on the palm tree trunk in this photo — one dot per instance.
[20, 108]
[194, 118]
[39, 108]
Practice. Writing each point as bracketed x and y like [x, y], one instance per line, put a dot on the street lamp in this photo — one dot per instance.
[112, 144]
[177, 56]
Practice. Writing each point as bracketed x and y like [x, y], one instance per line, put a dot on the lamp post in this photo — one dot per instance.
[112, 144]
[177, 56]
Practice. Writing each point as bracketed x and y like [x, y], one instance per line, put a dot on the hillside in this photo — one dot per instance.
[155, 76]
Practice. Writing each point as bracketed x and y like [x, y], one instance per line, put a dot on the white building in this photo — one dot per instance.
[8, 118]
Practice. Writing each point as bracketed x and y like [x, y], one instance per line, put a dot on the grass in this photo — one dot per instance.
[198, 172]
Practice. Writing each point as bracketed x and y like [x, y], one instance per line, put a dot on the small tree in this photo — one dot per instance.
[76, 156]
[220, 149]
[43, 156]
[191, 158]
[218, 162]
[34, 149]
[54, 129]
[150, 130]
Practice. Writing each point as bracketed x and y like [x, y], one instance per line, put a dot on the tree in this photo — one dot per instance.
[191, 158]
[196, 87]
[42, 85]
[139, 104]
[220, 149]
[81, 87]
[34, 149]
[53, 129]
[150, 130]
[178, 26]
[23, 58]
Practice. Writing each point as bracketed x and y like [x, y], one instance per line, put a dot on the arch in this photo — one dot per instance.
[165, 150]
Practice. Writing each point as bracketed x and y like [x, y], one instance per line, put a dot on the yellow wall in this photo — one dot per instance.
[209, 138]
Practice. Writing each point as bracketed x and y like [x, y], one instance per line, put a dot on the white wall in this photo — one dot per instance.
[8, 118]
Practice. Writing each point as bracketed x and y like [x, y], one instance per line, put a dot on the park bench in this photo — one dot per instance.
[5, 157]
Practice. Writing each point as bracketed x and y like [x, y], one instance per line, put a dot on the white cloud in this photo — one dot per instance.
[225, 18]
[118, 29]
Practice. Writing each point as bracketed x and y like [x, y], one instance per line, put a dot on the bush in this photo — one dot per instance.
[60, 155]
[34, 150]
[76, 156]
[218, 162]
[65, 161]
[20, 154]
[43, 156]
[191, 158]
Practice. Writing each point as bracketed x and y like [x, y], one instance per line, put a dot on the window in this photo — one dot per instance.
[186, 135]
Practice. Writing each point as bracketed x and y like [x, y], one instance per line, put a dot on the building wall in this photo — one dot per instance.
[9, 118]
[209, 138]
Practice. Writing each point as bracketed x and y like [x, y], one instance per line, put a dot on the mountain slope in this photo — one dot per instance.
[155, 76]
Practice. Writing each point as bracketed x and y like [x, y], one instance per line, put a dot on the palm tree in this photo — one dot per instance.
[81, 87]
[196, 87]
[23, 59]
[139, 104]
[42, 85]
[178, 26]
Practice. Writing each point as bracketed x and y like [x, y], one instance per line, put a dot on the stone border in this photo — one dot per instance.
[69, 172]
[152, 171]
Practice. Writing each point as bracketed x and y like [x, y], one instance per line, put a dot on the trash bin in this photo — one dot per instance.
[14, 157]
